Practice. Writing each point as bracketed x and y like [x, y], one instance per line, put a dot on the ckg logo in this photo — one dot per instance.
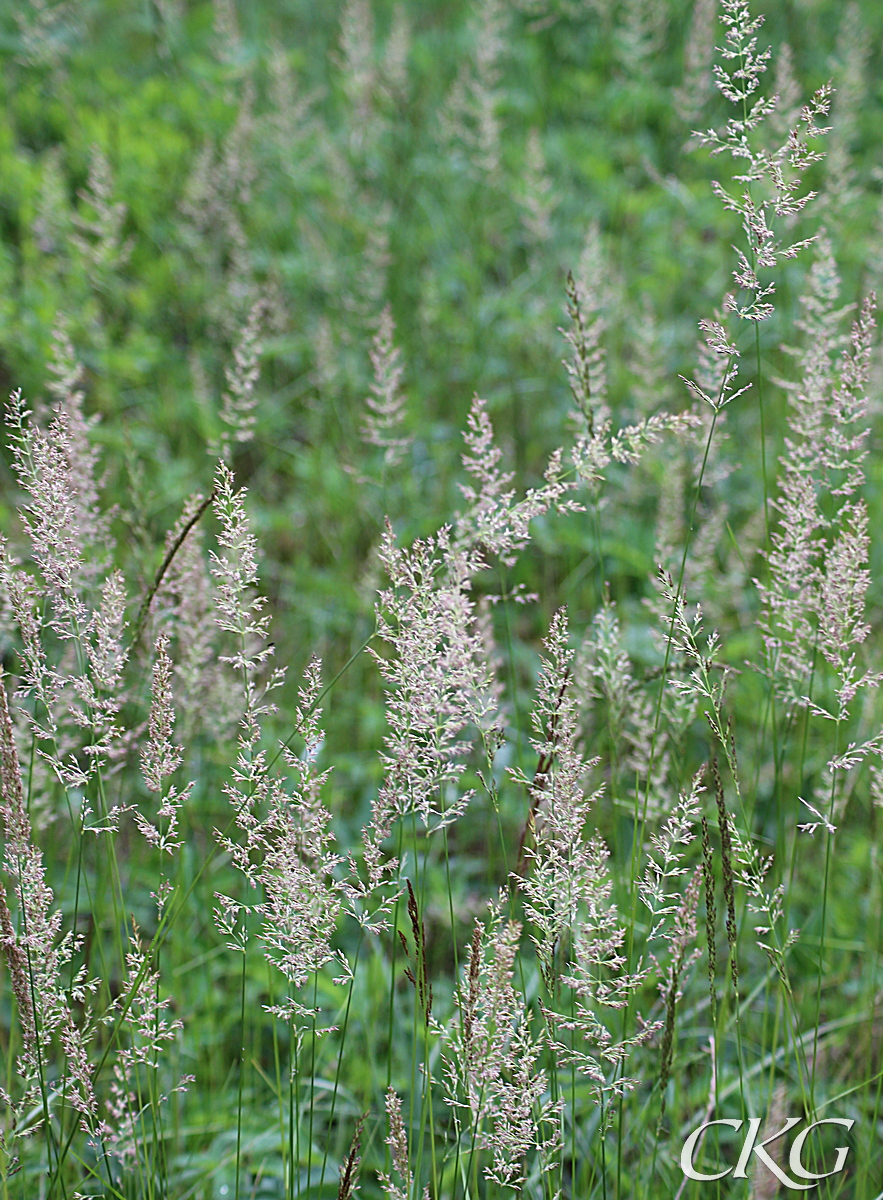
[752, 1146]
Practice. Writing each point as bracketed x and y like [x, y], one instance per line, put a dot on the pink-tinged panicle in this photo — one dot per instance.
[142, 1033]
[684, 931]
[299, 870]
[46, 32]
[439, 687]
[595, 445]
[357, 61]
[787, 112]
[55, 468]
[641, 34]
[559, 876]
[218, 189]
[780, 170]
[470, 116]
[239, 401]
[186, 599]
[145, 1016]
[36, 951]
[286, 850]
[397, 1140]
[42, 462]
[291, 118]
[845, 451]
[440, 690]
[525, 1121]
[627, 445]
[665, 864]
[396, 57]
[652, 384]
[681, 938]
[842, 626]
[100, 694]
[765, 903]
[349, 1167]
[160, 759]
[661, 887]
[818, 577]
[495, 521]
[238, 612]
[491, 1059]
[227, 36]
[67, 389]
[100, 222]
[599, 980]
[740, 46]
[699, 650]
[105, 651]
[382, 426]
[37, 677]
[825, 434]
[537, 193]
[604, 673]
[851, 57]
[586, 368]
[716, 371]
[690, 98]
[17, 834]
[238, 609]
[490, 1012]
[567, 883]
[58, 519]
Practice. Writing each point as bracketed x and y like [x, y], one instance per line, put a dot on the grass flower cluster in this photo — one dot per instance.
[440, 650]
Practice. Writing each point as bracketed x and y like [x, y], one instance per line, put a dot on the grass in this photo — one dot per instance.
[425, 815]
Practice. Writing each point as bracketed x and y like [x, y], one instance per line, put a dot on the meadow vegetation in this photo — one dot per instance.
[440, 641]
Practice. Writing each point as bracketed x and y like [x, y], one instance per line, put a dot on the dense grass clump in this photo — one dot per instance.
[440, 729]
